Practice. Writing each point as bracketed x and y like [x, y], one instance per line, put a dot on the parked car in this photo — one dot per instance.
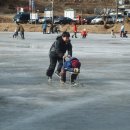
[63, 20]
[22, 17]
[79, 22]
[109, 20]
[88, 19]
[43, 19]
[119, 19]
[33, 21]
[99, 20]
[128, 17]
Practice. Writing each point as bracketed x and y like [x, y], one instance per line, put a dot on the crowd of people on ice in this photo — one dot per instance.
[53, 28]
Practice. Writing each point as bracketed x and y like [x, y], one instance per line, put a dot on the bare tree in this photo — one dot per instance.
[106, 5]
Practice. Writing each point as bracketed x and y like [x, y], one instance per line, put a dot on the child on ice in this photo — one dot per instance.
[113, 34]
[125, 34]
[72, 65]
[84, 33]
[15, 33]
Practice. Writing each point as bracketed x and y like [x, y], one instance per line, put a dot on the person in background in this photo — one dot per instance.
[57, 53]
[20, 29]
[55, 29]
[125, 34]
[74, 30]
[44, 27]
[84, 33]
[15, 33]
[51, 28]
[122, 30]
[113, 34]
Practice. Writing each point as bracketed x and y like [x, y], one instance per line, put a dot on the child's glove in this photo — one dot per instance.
[76, 70]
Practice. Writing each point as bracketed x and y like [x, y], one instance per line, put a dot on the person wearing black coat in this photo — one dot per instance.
[57, 53]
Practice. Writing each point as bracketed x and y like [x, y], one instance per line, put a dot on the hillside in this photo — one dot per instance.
[9, 6]
[81, 6]
[8, 9]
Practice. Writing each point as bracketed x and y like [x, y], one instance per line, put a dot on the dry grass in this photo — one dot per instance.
[6, 24]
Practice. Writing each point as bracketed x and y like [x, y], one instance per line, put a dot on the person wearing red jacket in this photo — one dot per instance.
[84, 33]
[75, 31]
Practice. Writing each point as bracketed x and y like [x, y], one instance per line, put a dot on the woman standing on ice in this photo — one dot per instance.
[57, 53]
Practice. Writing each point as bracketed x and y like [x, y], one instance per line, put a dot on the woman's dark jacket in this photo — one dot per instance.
[59, 48]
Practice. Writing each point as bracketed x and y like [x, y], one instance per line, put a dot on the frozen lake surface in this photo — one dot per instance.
[28, 102]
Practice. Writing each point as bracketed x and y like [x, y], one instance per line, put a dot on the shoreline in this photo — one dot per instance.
[10, 27]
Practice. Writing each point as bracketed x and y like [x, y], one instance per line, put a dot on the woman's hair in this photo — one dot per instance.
[65, 34]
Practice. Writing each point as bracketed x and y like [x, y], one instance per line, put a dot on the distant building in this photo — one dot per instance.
[121, 2]
[81, 6]
[124, 4]
[22, 9]
[70, 13]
